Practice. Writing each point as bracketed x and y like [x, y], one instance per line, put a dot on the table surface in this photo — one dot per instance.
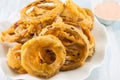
[109, 70]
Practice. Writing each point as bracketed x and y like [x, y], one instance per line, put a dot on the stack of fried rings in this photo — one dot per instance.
[51, 36]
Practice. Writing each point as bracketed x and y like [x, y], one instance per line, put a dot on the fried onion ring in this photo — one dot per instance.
[20, 32]
[42, 11]
[91, 41]
[75, 42]
[33, 61]
[14, 59]
[90, 38]
[76, 15]
[89, 12]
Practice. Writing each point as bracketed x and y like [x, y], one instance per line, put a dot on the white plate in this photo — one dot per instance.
[81, 73]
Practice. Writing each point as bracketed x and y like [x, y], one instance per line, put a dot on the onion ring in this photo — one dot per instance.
[91, 41]
[19, 32]
[42, 11]
[75, 42]
[14, 59]
[76, 15]
[89, 12]
[90, 38]
[33, 61]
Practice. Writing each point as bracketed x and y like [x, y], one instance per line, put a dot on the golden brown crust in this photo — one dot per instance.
[42, 11]
[74, 40]
[14, 59]
[90, 13]
[32, 59]
[91, 41]
[18, 32]
[76, 15]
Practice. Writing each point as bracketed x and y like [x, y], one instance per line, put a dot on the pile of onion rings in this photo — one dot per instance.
[51, 36]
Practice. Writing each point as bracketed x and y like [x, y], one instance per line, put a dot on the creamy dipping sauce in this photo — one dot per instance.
[108, 10]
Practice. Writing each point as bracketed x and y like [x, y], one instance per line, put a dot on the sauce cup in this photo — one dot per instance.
[106, 22]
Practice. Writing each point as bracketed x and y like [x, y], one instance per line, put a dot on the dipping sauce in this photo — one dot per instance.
[108, 10]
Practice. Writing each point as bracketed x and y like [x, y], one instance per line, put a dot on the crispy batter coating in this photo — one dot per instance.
[19, 32]
[91, 41]
[73, 14]
[42, 11]
[32, 59]
[14, 59]
[75, 42]
[89, 12]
